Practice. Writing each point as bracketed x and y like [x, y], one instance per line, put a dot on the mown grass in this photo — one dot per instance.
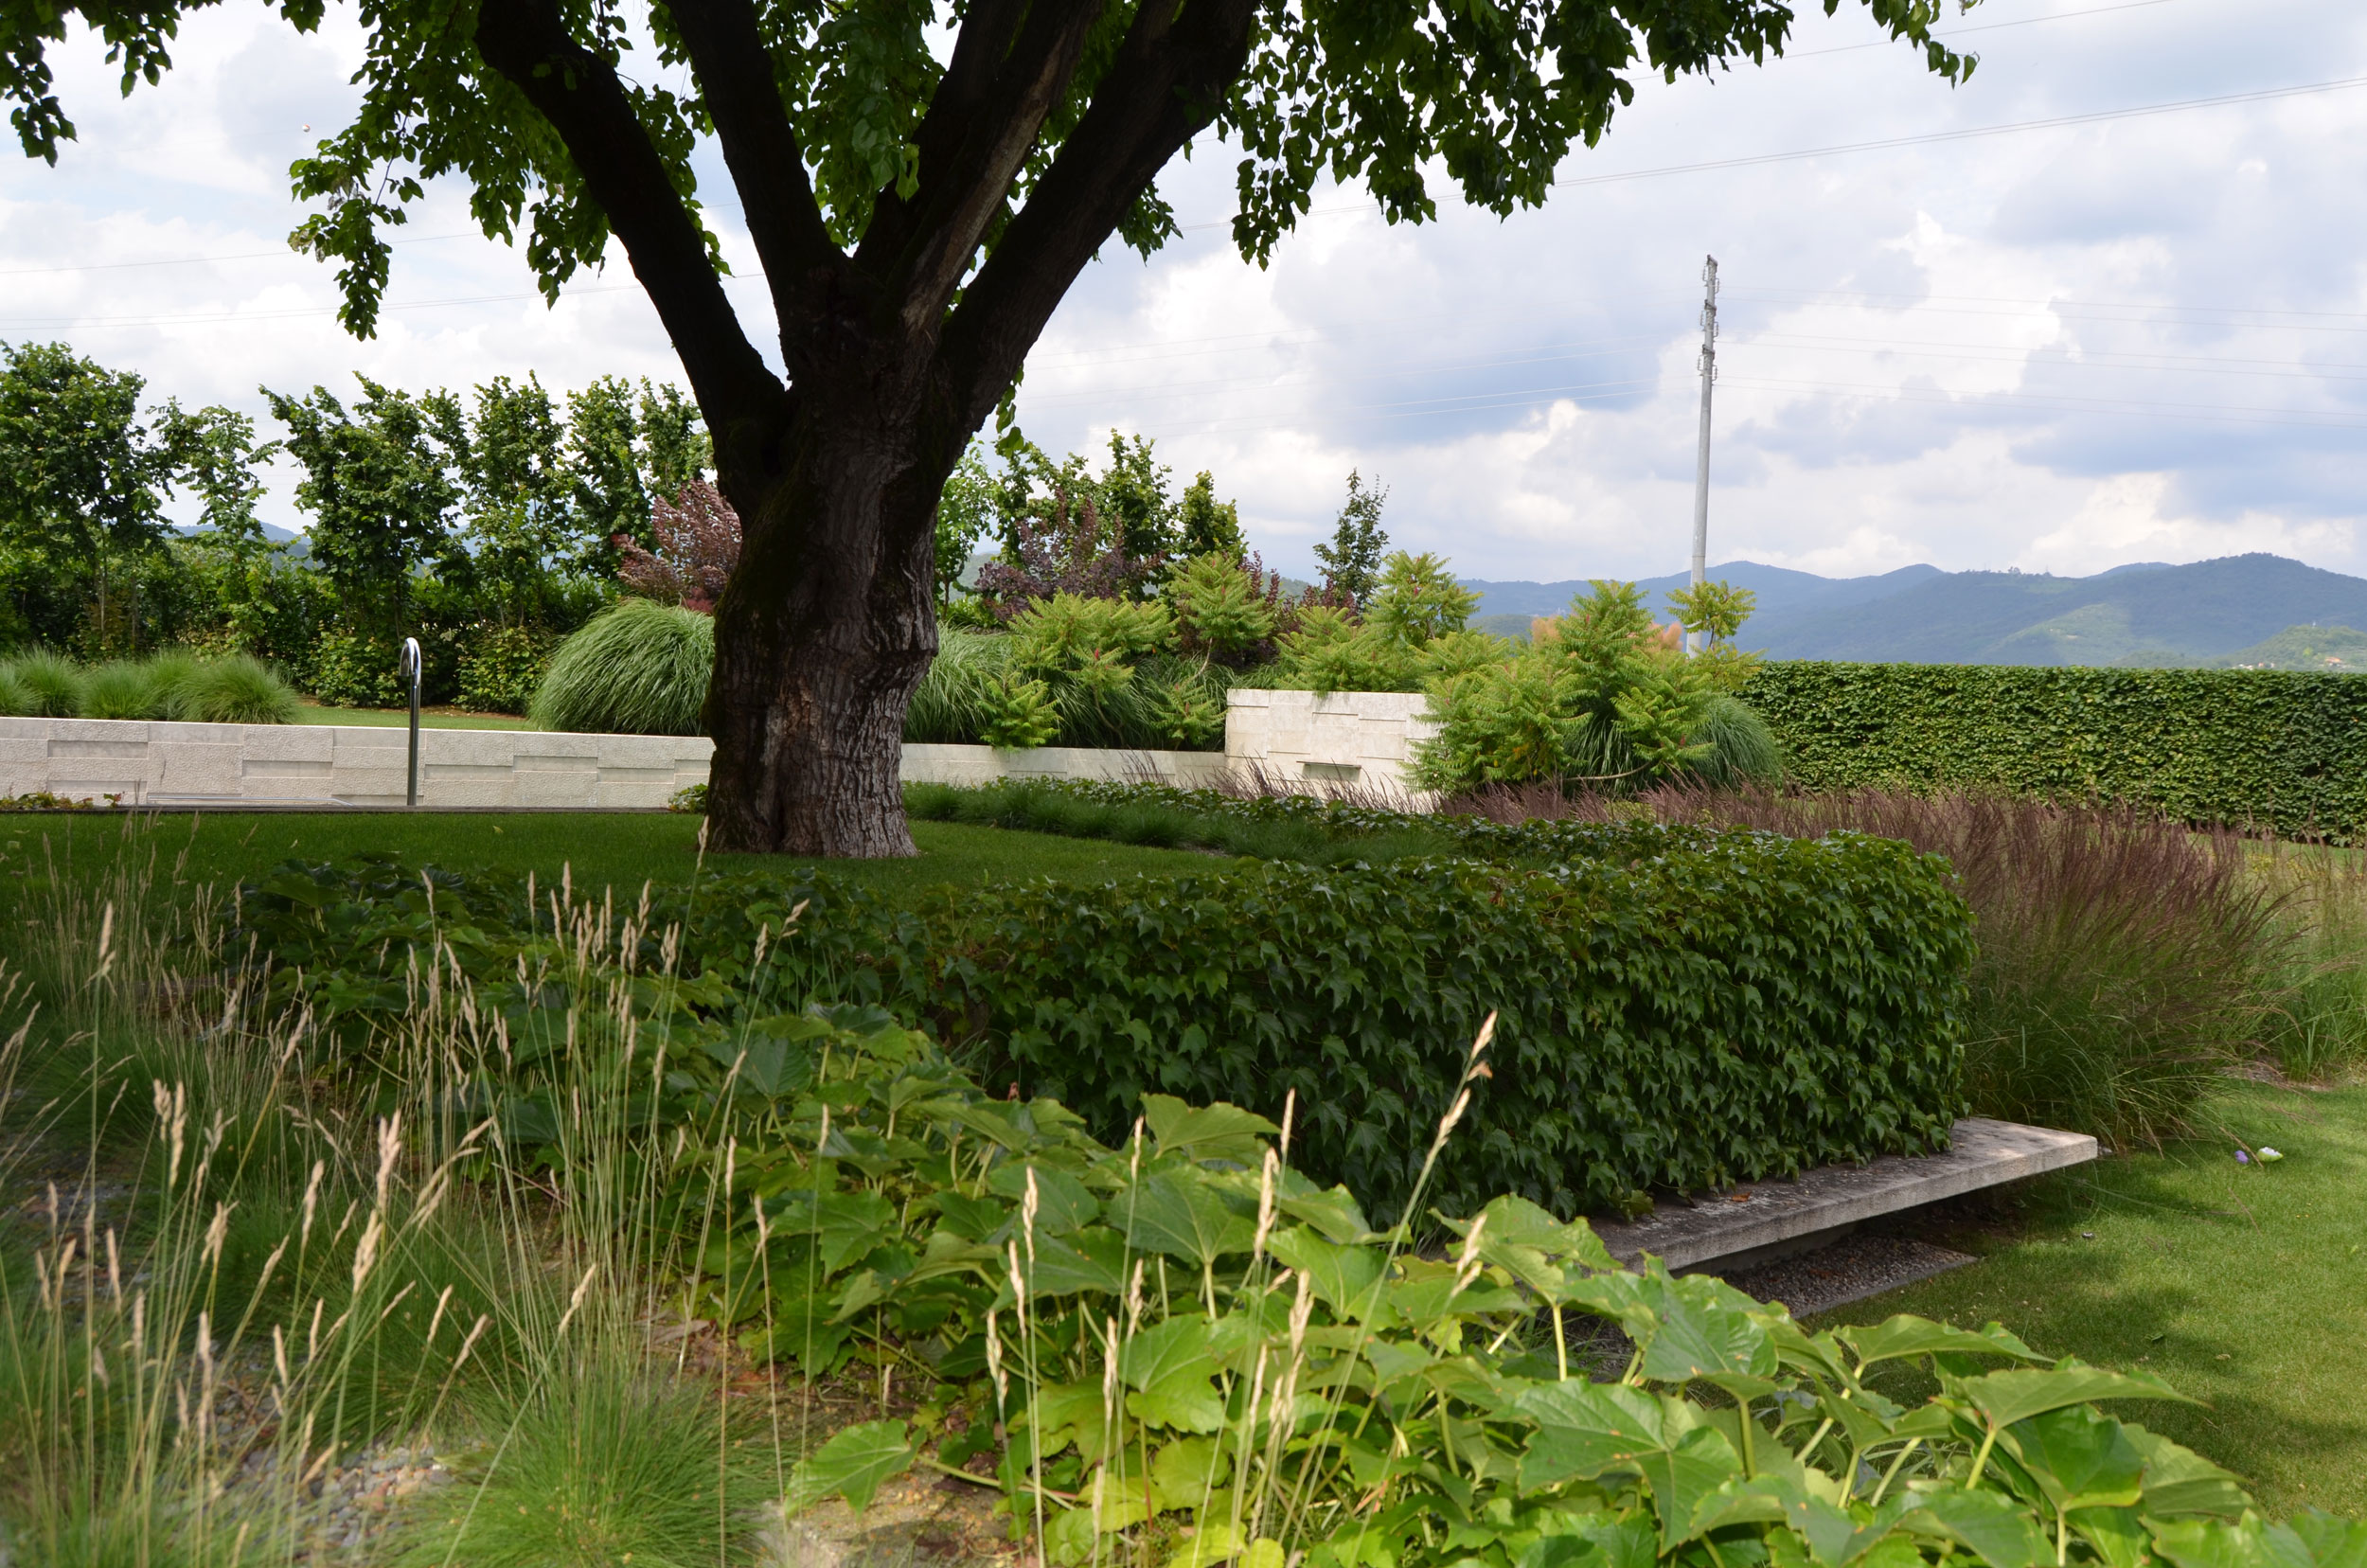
[620, 849]
[2244, 1285]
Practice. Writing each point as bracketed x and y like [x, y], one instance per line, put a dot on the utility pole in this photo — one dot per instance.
[1696, 641]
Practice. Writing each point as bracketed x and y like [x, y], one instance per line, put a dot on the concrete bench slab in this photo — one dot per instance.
[1762, 1221]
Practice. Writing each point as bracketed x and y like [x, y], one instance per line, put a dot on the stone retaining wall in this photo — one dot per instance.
[175, 764]
[1360, 739]
[1294, 738]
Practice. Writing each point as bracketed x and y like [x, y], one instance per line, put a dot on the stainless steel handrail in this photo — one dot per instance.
[410, 666]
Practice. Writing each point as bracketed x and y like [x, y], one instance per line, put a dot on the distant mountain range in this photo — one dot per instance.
[2260, 609]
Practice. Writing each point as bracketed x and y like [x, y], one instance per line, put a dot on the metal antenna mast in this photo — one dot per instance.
[1695, 640]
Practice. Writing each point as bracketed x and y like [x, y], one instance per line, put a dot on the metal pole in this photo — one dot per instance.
[1701, 472]
[410, 666]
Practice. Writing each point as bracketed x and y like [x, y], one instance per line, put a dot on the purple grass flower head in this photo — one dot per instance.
[2242, 1158]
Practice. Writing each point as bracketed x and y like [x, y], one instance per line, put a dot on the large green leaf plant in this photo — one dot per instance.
[1195, 1356]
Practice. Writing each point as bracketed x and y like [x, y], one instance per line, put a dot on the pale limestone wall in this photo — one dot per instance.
[1360, 738]
[353, 765]
[175, 764]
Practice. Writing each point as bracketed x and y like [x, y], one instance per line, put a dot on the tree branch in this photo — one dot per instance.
[735, 75]
[992, 102]
[579, 93]
[1164, 88]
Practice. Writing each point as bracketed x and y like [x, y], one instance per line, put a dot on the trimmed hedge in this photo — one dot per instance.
[1725, 1012]
[2239, 747]
[1681, 1007]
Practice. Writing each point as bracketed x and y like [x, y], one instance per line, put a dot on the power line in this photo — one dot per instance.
[2066, 403]
[1924, 139]
[2005, 353]
[2057, 302]
[1986, 26]
[207, 261]
[1602, 349]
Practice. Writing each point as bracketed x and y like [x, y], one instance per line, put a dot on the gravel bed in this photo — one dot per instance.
[1851, 1269]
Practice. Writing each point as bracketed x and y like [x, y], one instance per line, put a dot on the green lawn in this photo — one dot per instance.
[2245, 1286]
[313, 713]
[623, 849]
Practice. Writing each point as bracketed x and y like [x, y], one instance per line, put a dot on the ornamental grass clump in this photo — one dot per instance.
[240, 689]
[640, 669]
[2319, 1027]
[121, 689]
[51, 682]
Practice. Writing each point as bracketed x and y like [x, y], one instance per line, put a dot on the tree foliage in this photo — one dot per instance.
[1351, 560]
[85, 476]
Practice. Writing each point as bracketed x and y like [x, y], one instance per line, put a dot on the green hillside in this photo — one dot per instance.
[2340, 650]
[2207, 611]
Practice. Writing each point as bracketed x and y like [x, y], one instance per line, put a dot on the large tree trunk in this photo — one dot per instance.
[825, 633]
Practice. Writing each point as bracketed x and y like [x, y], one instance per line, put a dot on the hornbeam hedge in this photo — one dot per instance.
[2250, 748]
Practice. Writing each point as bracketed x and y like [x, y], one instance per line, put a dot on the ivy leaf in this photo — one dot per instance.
[1682, 1474]
[2118, 1535]
[1585, 1429]
[853, 1465]
[1334, 1211]
[1090, 1260]
[2335, 1542]
[2250, 1543]
[1696, 1335]
[1344, 1278]
[1064, 1413]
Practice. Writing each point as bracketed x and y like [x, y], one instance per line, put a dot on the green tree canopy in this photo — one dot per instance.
[85, 476]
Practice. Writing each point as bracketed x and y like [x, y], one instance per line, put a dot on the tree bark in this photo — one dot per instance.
[826, 630]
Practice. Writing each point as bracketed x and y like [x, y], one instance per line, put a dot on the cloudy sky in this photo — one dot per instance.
[2140, 335]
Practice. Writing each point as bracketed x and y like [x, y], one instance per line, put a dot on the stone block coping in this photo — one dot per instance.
[1759, 1221]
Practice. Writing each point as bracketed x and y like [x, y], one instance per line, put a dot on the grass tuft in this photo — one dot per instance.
[600, 1464]
[640, 669]
[52, 681]
[122, 690]
[240, 690]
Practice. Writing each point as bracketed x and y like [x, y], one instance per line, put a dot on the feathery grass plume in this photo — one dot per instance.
[240, 689]
[120, 689]
[52, 682]
[2319, 1027]
[640, 669]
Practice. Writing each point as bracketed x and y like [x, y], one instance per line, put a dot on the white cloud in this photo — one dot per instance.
[2139, 338]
